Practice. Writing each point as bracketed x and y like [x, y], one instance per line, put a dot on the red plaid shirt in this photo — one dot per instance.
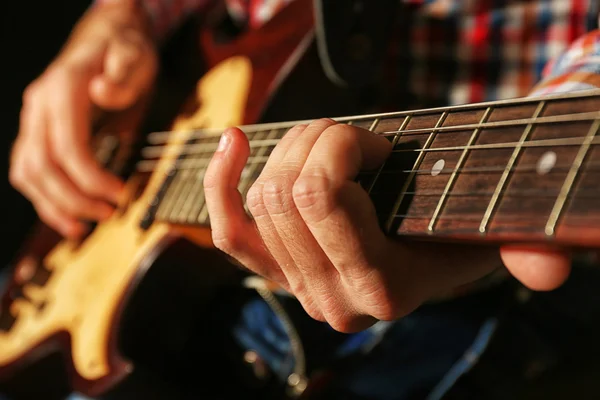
[462, 51]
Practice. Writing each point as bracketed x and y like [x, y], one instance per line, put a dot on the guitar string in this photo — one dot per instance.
[164, 136]
[194, 148]
[509, 193]
[198, 162]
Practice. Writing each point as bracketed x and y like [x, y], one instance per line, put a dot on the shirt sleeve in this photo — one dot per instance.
[165, 15]
[578, 68]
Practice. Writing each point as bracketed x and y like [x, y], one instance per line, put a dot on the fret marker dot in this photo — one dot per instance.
[437, 167]
[546, 162]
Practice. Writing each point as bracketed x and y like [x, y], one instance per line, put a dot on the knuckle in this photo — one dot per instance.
[17, 173]
[33, 167]
[311, 308]
[30, 94]
[340, 322]
[49, 216]
[278, 194]
[298, 287]
[333, 312]
[314, 195]
[384, 304]
[89, 185]
[15, 176]
[345, 138]
[255, 202]
[388, 310]
[322, 123]
[65, 144]
[309, 190]
[296, 129]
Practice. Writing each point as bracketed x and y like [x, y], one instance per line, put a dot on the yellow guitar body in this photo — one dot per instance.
[89, 279]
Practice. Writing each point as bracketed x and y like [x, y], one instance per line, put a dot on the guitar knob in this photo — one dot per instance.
[25, 270]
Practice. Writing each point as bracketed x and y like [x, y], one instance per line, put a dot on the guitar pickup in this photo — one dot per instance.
[31, 270]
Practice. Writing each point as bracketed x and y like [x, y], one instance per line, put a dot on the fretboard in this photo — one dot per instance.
[523, 169]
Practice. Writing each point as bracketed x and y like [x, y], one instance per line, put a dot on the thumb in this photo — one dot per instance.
[129, 68]
[540, 269]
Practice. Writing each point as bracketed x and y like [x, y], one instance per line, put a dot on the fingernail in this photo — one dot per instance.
[224, 142]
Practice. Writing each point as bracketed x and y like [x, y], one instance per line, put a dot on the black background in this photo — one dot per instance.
[32, 33]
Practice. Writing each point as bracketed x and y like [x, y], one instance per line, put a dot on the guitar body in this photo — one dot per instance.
[77, 307]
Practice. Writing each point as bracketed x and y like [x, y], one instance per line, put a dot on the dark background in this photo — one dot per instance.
[32, 33]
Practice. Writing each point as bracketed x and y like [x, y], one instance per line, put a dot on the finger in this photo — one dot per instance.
[285, 232]
[129, 69]
[68, 198]
[308, 135]
[324, 191]
[334, 207]
[271, 196]
[540, 269]
[53, 216]
[267, 199]
[29, 161]
[56, 186]
[70, 146]
[233, 231]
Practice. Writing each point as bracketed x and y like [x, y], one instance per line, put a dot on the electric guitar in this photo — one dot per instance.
[521, 170]
[70, 296]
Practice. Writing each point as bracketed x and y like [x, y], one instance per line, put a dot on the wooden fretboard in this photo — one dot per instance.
[524, 169]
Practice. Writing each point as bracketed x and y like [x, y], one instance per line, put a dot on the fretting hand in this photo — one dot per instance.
[108, 63]
[314, 231]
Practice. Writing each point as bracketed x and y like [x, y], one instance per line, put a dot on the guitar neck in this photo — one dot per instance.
[517, 170]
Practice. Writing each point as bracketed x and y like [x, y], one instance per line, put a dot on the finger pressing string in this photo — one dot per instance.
[232, 229]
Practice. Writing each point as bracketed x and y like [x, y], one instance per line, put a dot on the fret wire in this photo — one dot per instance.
[165, 203]
[252, 162]
[195, 190]
[570, 179]
[451, 180]
[416, 165]
[373, 125]
[182, 195]
[158, 137]
[179, 187]
[394, 142]
[503, 179]
[203, 215]
[199, 205]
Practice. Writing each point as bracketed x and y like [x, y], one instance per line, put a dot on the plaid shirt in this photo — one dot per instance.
[458, 51]
[461, 51]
